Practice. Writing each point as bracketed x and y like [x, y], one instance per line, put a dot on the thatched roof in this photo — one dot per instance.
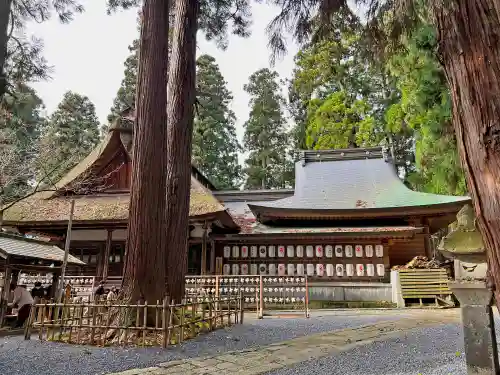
[52, 206]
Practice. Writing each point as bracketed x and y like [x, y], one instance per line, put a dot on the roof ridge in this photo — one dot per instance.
[311, 156]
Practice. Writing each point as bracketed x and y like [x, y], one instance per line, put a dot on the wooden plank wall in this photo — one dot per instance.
[402, 251]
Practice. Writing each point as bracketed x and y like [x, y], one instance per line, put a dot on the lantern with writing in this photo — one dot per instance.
[338, 251]
[281, 251]
[348, 251]
[227, 252]
[320, 269]
[244, 269]
[253, 269]
[310, 270]
[319, 251]
[262, 251]
[289, 251]
[281, 270]
[226, 269]
[262, 269]
[272, 270]
[379, 251]
[272, 251]
[309, 251]
[236, 251]
[360, 269]
[380, 270]
[300, 251]
[369, 251]
[253, 251]
[235, 269]
[349, 269]
[290, 269]
[329, 270]
[370, 270]
[300, 269]
[358, 250]
[339, 270]
[244, 251]
[329, 251]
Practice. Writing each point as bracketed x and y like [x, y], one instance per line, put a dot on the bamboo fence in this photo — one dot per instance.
[164, 323]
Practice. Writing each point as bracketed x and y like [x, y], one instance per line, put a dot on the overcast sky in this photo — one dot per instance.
[88, 56]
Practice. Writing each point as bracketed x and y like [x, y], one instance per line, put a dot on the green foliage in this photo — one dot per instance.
[21, 124]
[265, 134]
[215, 145]
[425, 108]
[72, 132]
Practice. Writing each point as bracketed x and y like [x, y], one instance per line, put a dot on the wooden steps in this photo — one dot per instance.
[425, 284]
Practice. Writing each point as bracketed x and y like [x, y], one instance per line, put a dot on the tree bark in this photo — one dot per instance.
[180, 109]
[469, 46]
[4, 39]
[144, 274]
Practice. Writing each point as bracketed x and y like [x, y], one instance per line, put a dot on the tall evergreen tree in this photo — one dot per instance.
[215, 146]
[265, 136]
[72, 132]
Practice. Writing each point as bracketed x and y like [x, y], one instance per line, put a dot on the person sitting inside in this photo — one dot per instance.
[38, 292]
[99, 291]
[23, 301]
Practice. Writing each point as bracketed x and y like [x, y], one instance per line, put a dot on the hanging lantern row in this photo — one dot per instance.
[247, 280]
[298, 251]
[301, 269]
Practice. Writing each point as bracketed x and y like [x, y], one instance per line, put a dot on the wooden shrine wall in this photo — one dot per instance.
[319, 260]
[402, 251]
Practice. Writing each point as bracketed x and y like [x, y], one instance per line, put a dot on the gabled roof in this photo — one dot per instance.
[350, 182]
[14, 245]
[53, 206]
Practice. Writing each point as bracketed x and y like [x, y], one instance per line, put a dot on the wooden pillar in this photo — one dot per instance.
[100, 262]
[204, 250]
[212, 257]
[429, 251]
[107, 251]
[4, 297]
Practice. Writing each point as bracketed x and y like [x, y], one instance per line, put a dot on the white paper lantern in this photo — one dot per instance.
[369, 251]
[235, 270]
[272, 251]
[226, 269]
[236, 251]
[329, 270]
[338, 251]
[262, 269]
[319, 251]
[300, 251]
[329, 251]
[309, 251]
[289, 251]
[320, 269]
[300, 269]
[281, 269]
[358, 250]
[348, 251]
[244, 269]
[380, 270]
[370, 270]
[310, 270]
[339, 270]
[244, 251]
[379, 251]
[272, 269]
[290, 269]
[281, 251]
[360, 269]
[253, 251]
[262, 251]
[253, 269]
[349, 269]
[227, 252]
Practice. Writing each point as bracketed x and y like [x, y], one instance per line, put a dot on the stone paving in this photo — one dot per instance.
[291, 352]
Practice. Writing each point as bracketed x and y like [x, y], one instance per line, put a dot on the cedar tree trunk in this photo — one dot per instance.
[180, 109]
[144, 273]
[4, 39]
[469, 46]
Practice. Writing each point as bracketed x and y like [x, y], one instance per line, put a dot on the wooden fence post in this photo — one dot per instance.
[242, 308]
[27, 329]
[164, 320]
[261, 298]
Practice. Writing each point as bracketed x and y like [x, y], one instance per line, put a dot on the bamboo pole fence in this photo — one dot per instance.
[103, 323]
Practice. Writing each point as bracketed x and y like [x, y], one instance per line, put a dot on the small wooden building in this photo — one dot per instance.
[348, 220]
[100, 185]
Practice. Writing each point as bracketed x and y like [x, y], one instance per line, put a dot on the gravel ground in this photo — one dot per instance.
[428, 351]
[39, 358]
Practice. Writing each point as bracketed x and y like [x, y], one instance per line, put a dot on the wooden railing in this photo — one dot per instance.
[101, 323]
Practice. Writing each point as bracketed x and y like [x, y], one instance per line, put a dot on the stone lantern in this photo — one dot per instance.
[465, 246]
